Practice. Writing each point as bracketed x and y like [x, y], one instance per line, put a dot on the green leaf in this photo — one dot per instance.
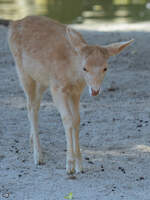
[69, 196]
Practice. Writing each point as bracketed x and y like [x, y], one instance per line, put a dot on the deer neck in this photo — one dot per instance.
[78, 64]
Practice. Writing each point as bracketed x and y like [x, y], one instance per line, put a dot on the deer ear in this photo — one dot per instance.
[116, 48]
[75, 39]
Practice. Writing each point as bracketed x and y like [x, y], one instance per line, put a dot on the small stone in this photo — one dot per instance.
[17, 151]
[72, 177]
[102, 166]
[139, 125]
[141, 178]
[6, 195]
[90, 162]
[122, 169]
[112, 89]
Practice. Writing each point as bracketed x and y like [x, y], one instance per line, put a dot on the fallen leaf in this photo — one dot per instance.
[69, 196]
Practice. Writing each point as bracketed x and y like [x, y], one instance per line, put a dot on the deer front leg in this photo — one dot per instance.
[78, 157]
[71, 122]
[68, 106]
[70, 159]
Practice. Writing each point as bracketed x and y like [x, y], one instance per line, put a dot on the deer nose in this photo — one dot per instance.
[93, 92]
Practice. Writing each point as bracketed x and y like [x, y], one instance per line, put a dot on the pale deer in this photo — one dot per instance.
[50, 54]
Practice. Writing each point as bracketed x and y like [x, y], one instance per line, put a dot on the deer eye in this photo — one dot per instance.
[84, 69]
[105, 69]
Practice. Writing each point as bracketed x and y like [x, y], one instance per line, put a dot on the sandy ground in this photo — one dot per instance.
[114, 134]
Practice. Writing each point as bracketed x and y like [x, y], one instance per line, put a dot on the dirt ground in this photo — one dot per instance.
[114, 133]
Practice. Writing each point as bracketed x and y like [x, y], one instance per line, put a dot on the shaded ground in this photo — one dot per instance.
[114, 135]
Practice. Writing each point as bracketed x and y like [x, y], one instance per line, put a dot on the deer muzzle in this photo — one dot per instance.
[93, 92]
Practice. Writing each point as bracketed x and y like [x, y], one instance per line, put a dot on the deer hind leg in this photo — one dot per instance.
[75, 99]
[68, 107]
[33, 105]
[33, 92]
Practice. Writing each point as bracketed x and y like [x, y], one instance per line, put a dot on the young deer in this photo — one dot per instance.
[50, 54]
